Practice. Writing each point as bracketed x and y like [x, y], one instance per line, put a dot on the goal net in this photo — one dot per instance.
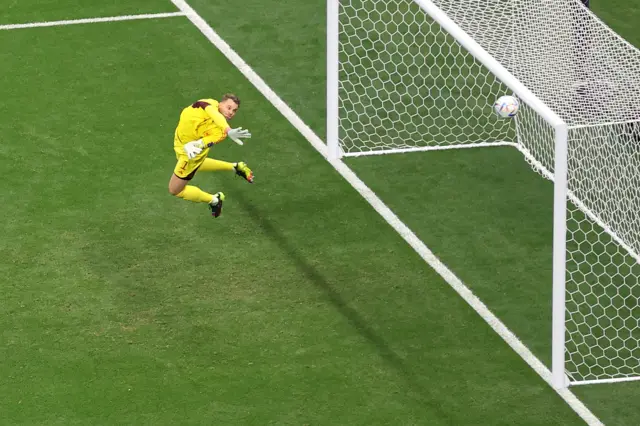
[418, 75]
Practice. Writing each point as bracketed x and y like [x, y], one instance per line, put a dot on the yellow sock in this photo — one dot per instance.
[211, 165]
[195, 194]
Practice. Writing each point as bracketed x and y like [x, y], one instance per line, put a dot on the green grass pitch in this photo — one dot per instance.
[299, 305]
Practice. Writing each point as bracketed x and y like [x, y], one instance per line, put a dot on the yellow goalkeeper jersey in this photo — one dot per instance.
[201, 120]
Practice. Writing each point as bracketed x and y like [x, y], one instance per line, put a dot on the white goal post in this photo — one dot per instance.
[420, 75]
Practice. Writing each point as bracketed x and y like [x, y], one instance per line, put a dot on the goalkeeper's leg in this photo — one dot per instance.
[241, 169]
[178, 187]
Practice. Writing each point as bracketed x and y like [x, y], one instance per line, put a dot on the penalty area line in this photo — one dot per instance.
[91, 20]
[421, 249]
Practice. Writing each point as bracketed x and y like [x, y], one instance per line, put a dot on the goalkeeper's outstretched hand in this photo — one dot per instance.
[193, 148]
[238, 134]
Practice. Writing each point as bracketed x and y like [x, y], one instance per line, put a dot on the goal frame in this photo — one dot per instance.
[334, 152]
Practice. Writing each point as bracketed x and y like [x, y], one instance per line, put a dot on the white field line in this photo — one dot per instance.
[429, 148]
[91, 20]
[420, 248]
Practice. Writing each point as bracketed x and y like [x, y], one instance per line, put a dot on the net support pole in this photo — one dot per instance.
[333, 70]
[558, 377]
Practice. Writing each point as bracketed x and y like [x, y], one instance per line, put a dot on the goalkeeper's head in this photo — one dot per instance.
[229, 105]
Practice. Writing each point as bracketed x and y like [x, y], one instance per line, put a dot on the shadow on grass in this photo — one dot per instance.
[350, 314]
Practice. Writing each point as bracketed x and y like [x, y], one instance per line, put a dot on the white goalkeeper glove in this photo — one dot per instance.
[193, 148]
[237, 134]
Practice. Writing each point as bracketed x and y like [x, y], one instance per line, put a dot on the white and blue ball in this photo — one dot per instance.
[506, 106]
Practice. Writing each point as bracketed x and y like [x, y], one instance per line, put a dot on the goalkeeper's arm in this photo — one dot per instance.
[219, 120]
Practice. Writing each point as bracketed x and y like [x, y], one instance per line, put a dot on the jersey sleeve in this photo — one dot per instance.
[217, 117]
[213, 136]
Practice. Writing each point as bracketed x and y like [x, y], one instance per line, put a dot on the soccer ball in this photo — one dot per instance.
[506, 106]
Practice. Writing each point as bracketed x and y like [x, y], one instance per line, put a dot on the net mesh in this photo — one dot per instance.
[560, 51]
[406, 84]
[603, 239]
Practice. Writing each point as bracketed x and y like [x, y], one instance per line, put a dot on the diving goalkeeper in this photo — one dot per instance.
[202, 125]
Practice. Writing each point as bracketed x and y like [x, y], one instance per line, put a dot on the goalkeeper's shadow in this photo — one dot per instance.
[348, 312]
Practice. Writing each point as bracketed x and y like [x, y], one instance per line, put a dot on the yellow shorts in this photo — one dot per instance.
[185, 168]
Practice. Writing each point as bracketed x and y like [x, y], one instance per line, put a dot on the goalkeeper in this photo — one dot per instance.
[201, 126]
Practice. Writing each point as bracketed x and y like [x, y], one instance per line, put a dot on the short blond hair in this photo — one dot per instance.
[231, 96]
